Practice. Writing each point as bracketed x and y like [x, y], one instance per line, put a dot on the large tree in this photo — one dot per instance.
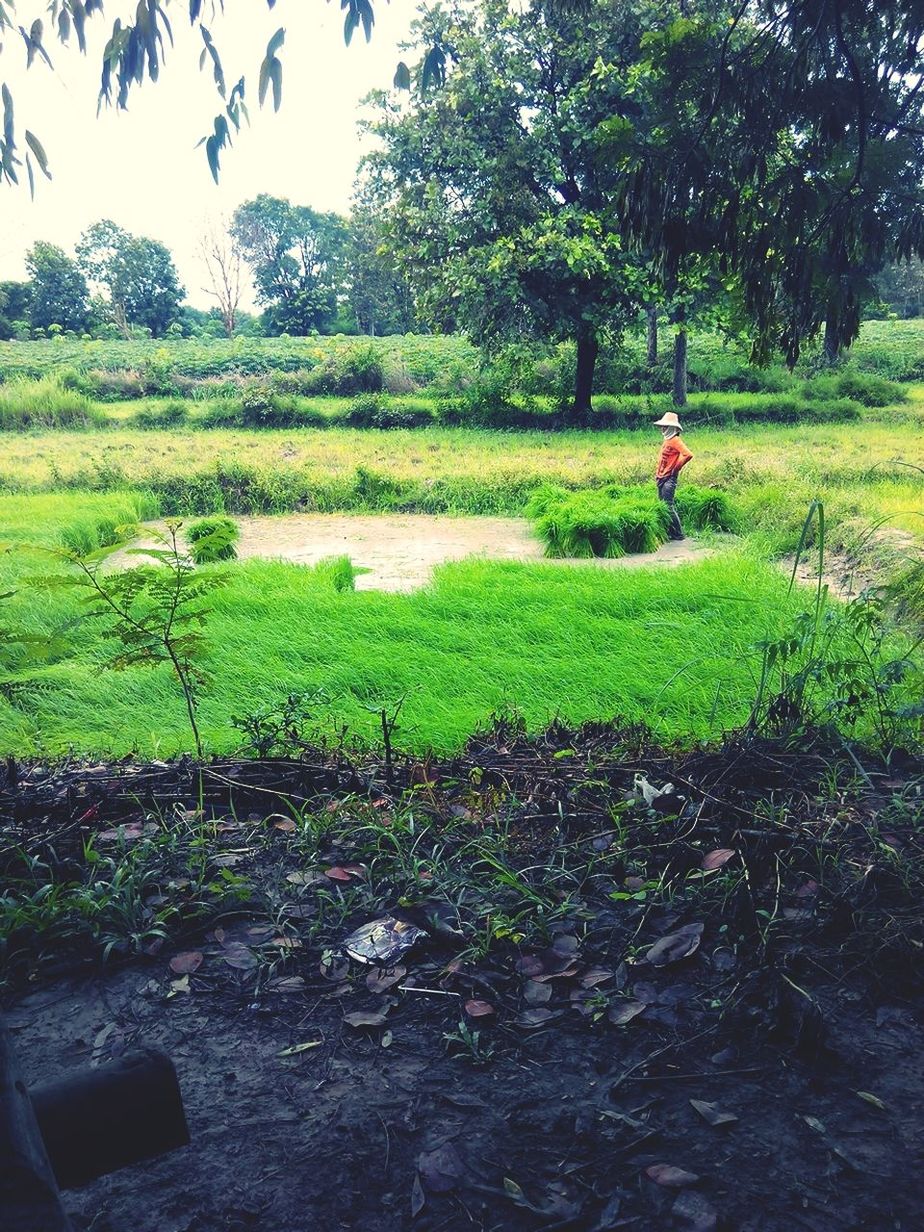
[784, 145]
[493, 186]
[136, 274]
[297, 257]
[381, 291]
[15, 303]
[58, 288]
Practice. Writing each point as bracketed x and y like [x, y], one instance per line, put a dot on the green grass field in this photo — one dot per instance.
[673, 647]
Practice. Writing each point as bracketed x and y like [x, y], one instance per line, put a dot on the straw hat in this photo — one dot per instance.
[668, 420]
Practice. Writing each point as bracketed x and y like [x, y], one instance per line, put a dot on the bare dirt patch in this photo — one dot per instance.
[765, 1075]
[402, 550]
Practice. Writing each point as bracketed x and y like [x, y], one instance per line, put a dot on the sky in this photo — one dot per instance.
[140, 167]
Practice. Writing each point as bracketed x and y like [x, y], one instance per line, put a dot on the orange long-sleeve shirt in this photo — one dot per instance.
[673, 458]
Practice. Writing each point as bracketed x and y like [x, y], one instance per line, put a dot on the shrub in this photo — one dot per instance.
[45, 404]
[870, 389]
[213, 539]
[168, 415]
[106, 386]
[376, 411]
[706, 509]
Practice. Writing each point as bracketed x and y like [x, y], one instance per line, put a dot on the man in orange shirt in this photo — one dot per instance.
[673, 458]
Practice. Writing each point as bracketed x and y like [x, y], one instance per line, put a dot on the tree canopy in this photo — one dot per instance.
[297, 258]
[136, 275]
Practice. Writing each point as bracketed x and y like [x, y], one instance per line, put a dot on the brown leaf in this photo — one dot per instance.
[565, 974]
[239, 956]
[530, 965]
[307, 878]
[479, 1009]
[384, 978]
[285, 824]
[715, 859]
[367, 1018]
[675, 946]
[694, 1213]
[337, 873]
[537, 1017]
[187, 963]
[594, 976]
[624, 1011]
[286, 983]
[418, 1200]
[711, 1114]
[671, 1177]
[440, 1170]
[334, 968]
[536, 993]
[566, 945]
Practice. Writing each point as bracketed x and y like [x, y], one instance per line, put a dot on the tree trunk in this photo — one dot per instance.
[832, 346]
[587, 350]
[680, 359]
[652, 337]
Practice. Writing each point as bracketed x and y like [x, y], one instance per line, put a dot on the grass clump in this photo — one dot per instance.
[615, 520]
[46, 404]
[337, 571]
[213, 539]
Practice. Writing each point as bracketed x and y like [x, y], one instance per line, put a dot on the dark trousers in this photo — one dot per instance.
[666, 489]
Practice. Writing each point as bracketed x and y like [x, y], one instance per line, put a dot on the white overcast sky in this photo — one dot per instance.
[140, 167]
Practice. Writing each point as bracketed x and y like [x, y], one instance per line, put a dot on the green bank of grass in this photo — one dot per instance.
[865, 472]
[673, 648]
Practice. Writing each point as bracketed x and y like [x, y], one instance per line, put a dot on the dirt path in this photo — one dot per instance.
[400, 551]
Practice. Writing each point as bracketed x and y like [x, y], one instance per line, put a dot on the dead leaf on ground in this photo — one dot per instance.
[694, 1213]
[186, 963]
[286, 983]
[307, 878]
[367, 1018]
[334, 967]
[479, 1009]
[344, 872]
[624, 1011]
[537, 1017]
[239, 956]
[285, 824]
[382, 941]
[715, 859]
[384, 978]
[530, 965]
[418, 1199]
[594, 976]
[711, 1114]
[440, 1170]
[675, 946]
[671, 1177]
[535, 993]
[178, 986]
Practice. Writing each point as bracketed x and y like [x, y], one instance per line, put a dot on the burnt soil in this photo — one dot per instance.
[793, 1017]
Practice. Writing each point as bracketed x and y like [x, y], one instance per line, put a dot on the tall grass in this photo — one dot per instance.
[46, 404]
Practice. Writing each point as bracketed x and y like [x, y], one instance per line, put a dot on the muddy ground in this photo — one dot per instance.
[400, 551]
[717, 1023]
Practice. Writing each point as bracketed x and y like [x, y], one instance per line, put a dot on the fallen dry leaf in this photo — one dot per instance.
[535, 993]
[440, 1170]
[178, 986]
[675, 946]
[711, 1114]
[694, 1213]
[285, 824]
[479, 1009]
[418, 1199]
[671, 1177]
[239, 956]
[874, 1100]
[367, 1018]
[286, 983]
[334, 968]
[384, 978]
[186, 963]
[715, 859]
[624, 1011]
[338, 874]
[594, 976]
[538, 1017]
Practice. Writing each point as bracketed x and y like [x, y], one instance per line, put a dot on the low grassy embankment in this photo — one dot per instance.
[772, 471]
[673, 648]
